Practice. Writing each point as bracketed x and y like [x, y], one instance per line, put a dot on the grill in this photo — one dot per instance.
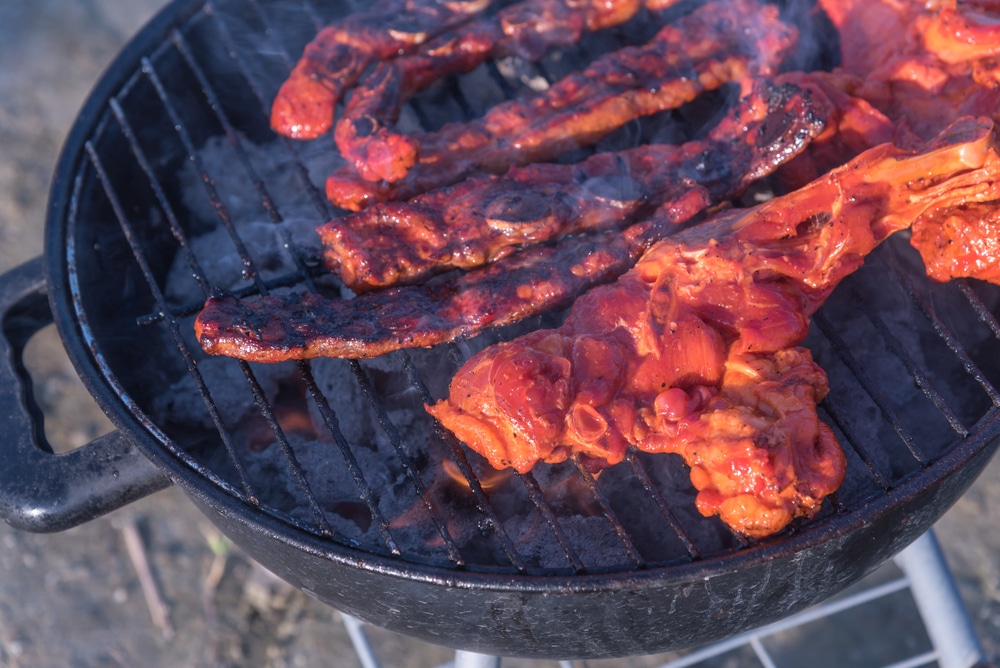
[172, 187]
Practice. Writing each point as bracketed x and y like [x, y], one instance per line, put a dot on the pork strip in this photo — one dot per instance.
[718, 43]
[527, 30]
[332, 62]
[485, 218]
[695, 351]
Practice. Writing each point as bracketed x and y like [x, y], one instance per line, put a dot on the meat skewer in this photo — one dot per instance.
[276, 328]
[526, 30]
[485, 218]
[339, 54]
[695, 351]
[718, 43]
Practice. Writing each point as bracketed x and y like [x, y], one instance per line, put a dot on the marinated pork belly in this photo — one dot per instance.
[768, 127]
[333, 61]
[695, 351]
[718, 43]
[276, 328]
[527, 29]
[485, 218]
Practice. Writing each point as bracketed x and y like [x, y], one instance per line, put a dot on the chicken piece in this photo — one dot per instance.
[695, 350]
[922, 63]
[718, 43]
[333, 61]
[526, 29]
[485, 218]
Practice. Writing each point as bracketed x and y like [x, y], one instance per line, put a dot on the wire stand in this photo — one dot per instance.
[925, 573]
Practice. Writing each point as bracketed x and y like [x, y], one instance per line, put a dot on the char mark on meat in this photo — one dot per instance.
[696, 350]
[718, 43]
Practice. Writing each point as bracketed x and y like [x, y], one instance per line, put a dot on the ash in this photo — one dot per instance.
[273, 217]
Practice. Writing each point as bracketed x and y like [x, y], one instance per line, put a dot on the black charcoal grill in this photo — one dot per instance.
[171, 186]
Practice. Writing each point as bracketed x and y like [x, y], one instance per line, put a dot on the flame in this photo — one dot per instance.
[490, 481]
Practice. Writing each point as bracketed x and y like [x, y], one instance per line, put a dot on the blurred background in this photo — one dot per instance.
[154, 584]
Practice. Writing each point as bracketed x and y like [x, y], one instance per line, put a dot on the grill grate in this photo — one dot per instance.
[212, 80]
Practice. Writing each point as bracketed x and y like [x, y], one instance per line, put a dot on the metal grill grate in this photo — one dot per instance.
[212, 80]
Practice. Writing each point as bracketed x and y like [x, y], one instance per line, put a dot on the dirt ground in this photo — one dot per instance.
[154, 584]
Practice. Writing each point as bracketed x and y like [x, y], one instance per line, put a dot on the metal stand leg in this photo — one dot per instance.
[945, 617]
[465, 659]
[356, 632]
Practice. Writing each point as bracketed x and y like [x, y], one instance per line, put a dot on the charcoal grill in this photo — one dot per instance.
[329, 473]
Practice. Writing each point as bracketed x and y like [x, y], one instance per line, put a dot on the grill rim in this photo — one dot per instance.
[981, 445]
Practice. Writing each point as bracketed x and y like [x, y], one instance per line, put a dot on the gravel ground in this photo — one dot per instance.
[154, 584]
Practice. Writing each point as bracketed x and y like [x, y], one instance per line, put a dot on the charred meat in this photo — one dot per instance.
[336, 58]
[483, 219]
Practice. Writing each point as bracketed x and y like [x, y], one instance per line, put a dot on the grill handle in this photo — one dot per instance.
[41, 491]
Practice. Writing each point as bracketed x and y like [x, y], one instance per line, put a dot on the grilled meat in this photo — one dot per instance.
[961, 243]
[299, 326]
[922, 63]
[530, 281]
[852, 125]
[333, 61]
[485, 218]
[526, 29]
[719, 42]
[695, 350]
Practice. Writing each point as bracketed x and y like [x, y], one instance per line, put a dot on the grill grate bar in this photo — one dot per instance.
[837, 417]
[172, 325]
[249, 269]
[537, 497]
[609, 514]
[436, 518]
[161, 198]
[945, 333]
[919, 377]
[982, 312]
[313, 14]
[857, 369]
[316, 198]
[661, 503]
[367, 494]
[286, 449]
[458, 455]
[233, 138]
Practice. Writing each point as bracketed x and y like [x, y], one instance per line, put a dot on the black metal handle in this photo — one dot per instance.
[39, 490]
